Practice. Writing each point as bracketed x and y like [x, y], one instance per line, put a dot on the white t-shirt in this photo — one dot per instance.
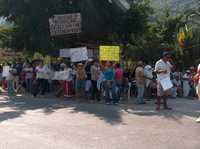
[148, 72]
[9, 77]
[69, 74]
[163, 66]
[41, 72]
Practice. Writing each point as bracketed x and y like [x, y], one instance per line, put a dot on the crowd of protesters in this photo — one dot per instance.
[102, 82]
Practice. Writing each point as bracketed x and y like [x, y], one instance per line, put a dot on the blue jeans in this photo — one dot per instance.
[108, 87]
[117, 91]
[140, 93]
[10, 87]
[28, 85]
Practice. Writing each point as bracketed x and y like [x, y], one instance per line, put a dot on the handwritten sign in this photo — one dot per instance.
[65, 53]
[6, 71]
[76, 54]
[65, 24]
[60, 75]
[109, 53]
[166, 83]
[79, 54]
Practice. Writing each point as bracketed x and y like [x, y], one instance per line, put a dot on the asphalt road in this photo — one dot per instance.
[28, 123]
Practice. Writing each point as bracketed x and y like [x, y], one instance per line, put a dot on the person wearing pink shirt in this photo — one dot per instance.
[118, 76]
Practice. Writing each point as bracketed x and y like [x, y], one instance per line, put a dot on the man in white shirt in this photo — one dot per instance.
[148, 73]
[163, 69]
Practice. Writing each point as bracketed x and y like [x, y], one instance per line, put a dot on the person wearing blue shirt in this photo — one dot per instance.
[109, 77]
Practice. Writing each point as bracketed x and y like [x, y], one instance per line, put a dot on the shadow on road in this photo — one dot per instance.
[19, 105]
[16, 107]
[180, 108]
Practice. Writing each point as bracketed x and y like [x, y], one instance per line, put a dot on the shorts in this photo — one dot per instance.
[160, 91]
[80, 85]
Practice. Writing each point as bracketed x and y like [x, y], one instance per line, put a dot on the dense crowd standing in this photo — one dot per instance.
[102, 82]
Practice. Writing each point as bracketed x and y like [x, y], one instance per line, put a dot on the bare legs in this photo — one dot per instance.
[159, 99]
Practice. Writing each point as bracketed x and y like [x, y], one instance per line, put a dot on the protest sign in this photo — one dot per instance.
[79, 54]
[60, 75]
[65, 53]
[65, 24]
[76, 54]
[166, 83]
[109, 53]
[6, 71]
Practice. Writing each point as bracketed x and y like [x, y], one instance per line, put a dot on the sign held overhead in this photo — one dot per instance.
[65, 24]
[75, 54]
[109, 53]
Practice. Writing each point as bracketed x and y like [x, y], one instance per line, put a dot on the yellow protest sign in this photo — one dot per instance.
[109, 53]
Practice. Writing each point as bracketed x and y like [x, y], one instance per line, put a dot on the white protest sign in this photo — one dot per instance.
[60, 75]
[6, 71]
[65, 53]
[65, 24]
[166, 83]
[79, 54]
[42, 75]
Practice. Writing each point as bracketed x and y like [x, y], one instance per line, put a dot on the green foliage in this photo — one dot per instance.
[134, 23]
[31, 20]
[5, 36]
[141, 35]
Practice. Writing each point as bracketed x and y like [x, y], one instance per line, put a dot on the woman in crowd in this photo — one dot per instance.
[109, 78]
[186, 84]
[140, 82]
[95, 73]
[10, 80]
[118, 76]
[88, 82]
[28, 73]
[68, 92]
[80, 80]
[41, 82]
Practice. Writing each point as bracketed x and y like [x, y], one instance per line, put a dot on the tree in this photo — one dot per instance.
[5, 36]
[31, 19]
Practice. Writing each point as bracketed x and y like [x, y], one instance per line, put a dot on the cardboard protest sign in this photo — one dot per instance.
[65, 53]
[79, 54]
[109, 53]
[6, 71]
[166, 83]
[65, 24]
[76, 54]
[60, 75]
